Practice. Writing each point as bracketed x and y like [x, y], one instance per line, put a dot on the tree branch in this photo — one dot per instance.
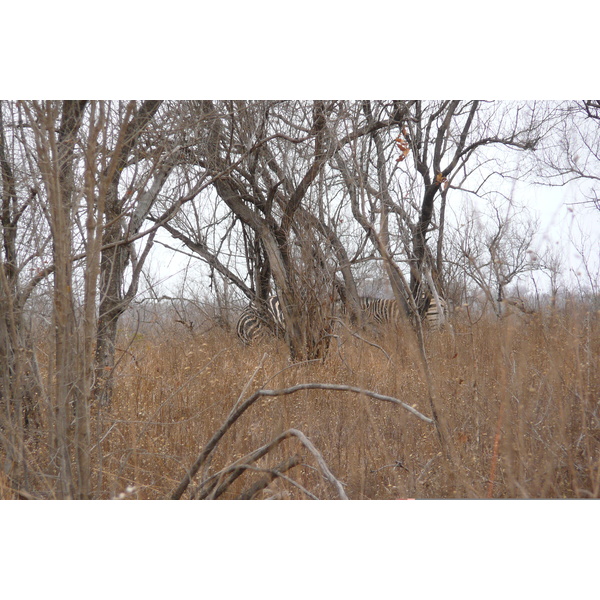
[239, 410]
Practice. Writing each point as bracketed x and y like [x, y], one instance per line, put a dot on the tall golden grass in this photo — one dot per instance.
[520, 399]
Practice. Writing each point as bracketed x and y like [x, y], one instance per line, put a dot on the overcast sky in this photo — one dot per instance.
[265, 51]
[562, 223]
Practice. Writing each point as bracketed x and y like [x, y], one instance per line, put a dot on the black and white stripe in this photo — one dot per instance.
[252, 325]
[380, 310]
[386, 311]
[436, 316]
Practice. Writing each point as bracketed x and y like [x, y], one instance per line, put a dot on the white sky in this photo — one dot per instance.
[567, 225]
[563, 222]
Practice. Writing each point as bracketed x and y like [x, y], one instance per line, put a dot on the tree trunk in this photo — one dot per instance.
[117, 250]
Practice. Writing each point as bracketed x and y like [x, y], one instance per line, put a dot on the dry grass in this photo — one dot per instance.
[530, 387]
[519, 398]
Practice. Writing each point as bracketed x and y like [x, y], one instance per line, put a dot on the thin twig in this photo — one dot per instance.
[237, 469]
[362, 339]
[258, 368]
[293, 366]
[272, 474]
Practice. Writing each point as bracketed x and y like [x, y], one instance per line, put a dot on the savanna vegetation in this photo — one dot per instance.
[115, 385]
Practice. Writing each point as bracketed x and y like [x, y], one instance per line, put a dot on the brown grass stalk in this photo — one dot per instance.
[492, 477]
[172, 401]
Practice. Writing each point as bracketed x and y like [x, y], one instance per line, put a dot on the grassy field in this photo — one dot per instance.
[519, 399]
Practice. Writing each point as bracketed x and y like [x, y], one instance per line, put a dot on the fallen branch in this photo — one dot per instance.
[241, 465]
[239, 409]
[273, 474]
[206, 487]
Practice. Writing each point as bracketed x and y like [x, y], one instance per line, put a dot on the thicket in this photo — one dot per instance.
[105, 393]
[518, 397]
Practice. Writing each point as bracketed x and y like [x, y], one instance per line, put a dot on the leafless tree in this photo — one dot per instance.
[138, 164]
[404, 176]
[448, 141]
[572, 152]
[78, 182]
[55, 128]
[23, 267]
[268, 162]
[494, 250]
[552, 263]
[289, 174]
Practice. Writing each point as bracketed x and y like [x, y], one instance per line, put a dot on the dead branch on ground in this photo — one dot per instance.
[239, 409]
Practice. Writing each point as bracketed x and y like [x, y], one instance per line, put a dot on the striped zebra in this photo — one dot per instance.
[380, 310]
[252, 325]
[386, 310]
[436, 317]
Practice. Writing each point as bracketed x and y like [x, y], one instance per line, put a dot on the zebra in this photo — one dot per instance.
[436, 316]
[387, 311]
[252, 325]
[380, 310]
[377, 311]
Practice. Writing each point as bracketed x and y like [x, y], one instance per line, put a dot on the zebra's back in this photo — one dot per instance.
[252, 326]
[436, 316]
[380, 310]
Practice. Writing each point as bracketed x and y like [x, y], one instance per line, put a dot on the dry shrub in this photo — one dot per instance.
[519, 399]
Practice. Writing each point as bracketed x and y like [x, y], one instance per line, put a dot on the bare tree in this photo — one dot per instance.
[56, 127]
[447, 142]
[139, 164]
[401, 174]
[268, 161]
[78, 181]
[23, 267]
[552, 264]
[494, 250]
[572, 152]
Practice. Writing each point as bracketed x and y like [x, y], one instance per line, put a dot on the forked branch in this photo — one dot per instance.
[272, 474]
[238, 410]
